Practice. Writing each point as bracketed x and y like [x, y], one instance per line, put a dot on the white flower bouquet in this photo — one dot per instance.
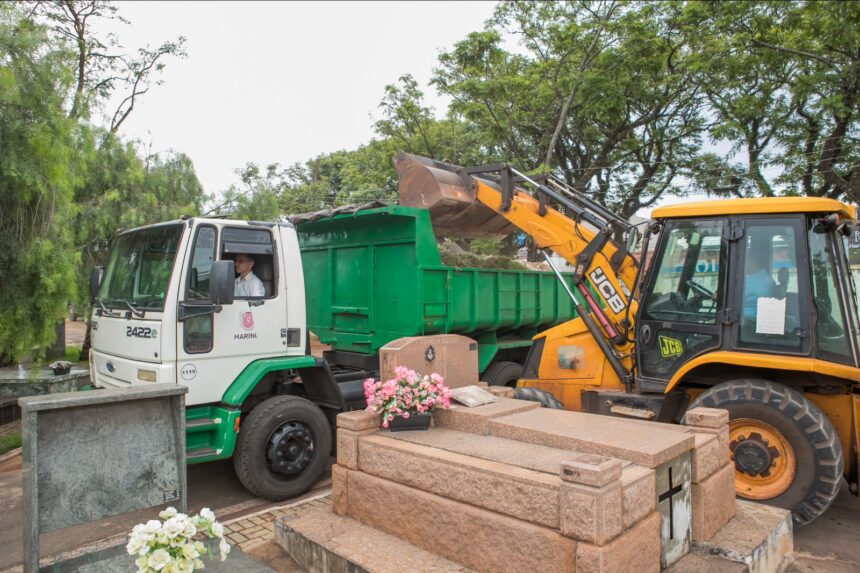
[171, 545]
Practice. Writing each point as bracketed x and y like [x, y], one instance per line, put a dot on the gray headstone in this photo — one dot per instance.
[91, 455]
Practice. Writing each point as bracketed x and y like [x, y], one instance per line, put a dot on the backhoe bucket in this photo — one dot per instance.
[448, 192]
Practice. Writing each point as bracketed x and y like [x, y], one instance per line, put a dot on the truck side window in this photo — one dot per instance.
[198, 329]
[255, 245]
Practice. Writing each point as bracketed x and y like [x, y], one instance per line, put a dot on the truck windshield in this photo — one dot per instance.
[139, 268]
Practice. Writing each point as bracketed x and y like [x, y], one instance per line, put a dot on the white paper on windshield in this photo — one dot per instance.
[770, 316]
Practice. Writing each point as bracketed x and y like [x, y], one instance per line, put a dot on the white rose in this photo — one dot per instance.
[173, 527]
[142, 562]
[159, 559]
[168, 513]
[152, 527]
[190, 552]
[218, 530]
[198, 545]
[184, 566]
[224, 547]
[189, 530]
[136, 545]
[198, 564]
[207, 514]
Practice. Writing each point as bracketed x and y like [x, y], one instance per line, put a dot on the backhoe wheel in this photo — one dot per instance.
[545, 399]
[502, 374]
[785, 450]
[283, 447]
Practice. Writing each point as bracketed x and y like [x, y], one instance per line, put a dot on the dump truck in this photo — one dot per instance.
[165, 311]
[748, 305]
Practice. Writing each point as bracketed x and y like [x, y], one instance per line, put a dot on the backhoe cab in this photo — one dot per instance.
[746, 305]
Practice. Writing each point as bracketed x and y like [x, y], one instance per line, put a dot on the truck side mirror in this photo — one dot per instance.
[96, 277]
[222, 282]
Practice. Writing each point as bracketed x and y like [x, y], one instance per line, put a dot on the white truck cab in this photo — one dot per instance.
[165, 311]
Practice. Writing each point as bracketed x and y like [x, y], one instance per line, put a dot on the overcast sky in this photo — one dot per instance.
[282, 82]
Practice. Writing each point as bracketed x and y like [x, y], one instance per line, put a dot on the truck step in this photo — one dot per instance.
[198, 453]
[202, 424]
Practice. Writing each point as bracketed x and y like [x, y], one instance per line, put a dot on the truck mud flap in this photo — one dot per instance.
[321, 388]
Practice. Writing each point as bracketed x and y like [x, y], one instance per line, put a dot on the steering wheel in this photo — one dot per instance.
[700, 290]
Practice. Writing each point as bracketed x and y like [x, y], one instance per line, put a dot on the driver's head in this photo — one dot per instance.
[756, 260]
[244, 263]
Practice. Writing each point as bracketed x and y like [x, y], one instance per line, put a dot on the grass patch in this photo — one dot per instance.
[9, 442]
[73, 354]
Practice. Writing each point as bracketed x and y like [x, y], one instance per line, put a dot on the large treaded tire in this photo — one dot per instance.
[503, 373]
[817, 449]
[544, 398]
[256, 434]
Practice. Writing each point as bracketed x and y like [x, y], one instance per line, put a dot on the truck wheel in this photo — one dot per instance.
[786, 452]
[503, 373]
[545, 399]
[283, 448]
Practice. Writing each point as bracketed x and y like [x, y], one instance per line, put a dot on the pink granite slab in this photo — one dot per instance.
[644, 443]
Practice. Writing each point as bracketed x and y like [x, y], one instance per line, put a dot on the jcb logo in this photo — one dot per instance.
[606, 290]
[669, 346]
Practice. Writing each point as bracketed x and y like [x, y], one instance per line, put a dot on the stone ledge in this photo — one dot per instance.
[758, 536]
[323, 541]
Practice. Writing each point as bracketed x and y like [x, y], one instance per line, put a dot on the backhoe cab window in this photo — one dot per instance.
[687, 287]
[139, 270]
[831, 334]
[770, 305]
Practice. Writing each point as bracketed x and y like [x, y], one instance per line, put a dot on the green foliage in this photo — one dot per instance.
[9, 442]
[37, 175]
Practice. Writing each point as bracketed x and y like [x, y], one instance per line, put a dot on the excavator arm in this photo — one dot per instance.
[493, 200]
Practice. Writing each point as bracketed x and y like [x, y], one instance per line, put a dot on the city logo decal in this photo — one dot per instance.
[669, 346]
[246, 321]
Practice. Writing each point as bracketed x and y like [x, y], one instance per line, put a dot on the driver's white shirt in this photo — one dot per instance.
[249, 286]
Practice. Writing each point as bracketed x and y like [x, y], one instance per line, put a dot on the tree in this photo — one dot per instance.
[37, 175]
[101, 66]
[598, 91]
[783, 79]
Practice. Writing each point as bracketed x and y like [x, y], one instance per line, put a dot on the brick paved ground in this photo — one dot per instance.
[10, 428]
[251, 530]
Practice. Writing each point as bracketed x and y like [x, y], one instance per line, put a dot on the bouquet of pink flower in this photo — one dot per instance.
[406, 394]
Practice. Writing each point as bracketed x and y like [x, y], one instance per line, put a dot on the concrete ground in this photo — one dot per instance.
[830, 543]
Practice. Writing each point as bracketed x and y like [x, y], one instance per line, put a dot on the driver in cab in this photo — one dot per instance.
[247, 283]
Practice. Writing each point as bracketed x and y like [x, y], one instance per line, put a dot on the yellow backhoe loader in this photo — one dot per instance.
[747, 305]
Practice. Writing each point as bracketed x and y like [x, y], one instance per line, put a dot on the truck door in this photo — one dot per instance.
[214, 347]
[685, 294]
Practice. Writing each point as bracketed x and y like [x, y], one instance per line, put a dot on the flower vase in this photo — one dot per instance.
[413, 422]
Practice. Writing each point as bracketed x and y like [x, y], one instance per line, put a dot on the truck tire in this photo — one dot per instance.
[503, 373]
[283, 448]
[786, 451]
[543, 397]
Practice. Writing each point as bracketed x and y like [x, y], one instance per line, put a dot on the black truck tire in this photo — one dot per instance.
[769, 421]
[544, 398]
[283, 447]
[502, 373]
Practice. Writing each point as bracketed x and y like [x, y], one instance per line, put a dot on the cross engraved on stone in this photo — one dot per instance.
[673, 490]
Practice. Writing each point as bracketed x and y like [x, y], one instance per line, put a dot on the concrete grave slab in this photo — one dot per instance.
[644, 443]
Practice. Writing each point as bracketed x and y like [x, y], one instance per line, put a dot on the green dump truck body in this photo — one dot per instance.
[375, 275]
